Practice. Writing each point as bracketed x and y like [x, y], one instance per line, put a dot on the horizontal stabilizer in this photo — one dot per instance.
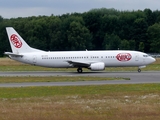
[13, 54]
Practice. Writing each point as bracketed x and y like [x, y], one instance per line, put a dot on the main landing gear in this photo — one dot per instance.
[79, 70]
[139, 70]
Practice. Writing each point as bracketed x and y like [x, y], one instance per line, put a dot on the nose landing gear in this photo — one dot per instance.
[139, 70]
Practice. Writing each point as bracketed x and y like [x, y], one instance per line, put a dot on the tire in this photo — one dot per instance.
[139, 70]
[79, 70]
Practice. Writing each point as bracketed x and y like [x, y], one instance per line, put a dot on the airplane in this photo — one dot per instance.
[93, 60]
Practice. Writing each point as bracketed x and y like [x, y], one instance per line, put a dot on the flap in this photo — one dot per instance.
[79, 63]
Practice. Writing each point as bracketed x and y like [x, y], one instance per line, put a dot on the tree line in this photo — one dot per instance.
[97, 29]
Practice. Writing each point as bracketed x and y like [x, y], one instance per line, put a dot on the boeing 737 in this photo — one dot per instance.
[93, 60]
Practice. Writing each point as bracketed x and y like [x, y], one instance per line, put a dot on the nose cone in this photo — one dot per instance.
[152, 60]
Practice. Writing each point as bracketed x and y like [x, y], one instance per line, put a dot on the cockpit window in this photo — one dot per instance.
[145, 55]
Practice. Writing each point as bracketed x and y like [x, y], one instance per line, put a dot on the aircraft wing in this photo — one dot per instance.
[79, 63]
[13, 54]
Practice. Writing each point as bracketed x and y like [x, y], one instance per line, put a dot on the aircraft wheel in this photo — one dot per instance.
[139, 70]
[79, 70]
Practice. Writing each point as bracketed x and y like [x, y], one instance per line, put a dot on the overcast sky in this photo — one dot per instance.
[25, 8]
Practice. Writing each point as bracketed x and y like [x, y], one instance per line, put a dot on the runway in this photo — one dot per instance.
[135, 78]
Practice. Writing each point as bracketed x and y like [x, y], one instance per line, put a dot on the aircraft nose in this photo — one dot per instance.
[153, 59]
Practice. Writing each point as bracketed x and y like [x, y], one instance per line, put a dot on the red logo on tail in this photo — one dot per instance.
[16, 41]
[124, 57]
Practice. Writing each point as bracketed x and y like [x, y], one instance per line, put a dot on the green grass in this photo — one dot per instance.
[104, 102]
[56, 79]
[22, 92]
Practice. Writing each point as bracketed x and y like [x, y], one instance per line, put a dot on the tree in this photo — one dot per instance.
[132, 44]
[79, 37]
[126, 23]
[141, 46]
[57, 43]
[150, 18]
[92, 21]
[96, 29]
[124, 45]
[111, 42]
[154, 37]
[139, 33]
[1, 18]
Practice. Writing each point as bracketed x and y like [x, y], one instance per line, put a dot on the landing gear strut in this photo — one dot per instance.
[79, 70]
[139, 70]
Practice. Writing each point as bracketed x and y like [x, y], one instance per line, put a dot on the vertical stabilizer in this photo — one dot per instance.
[17, 43]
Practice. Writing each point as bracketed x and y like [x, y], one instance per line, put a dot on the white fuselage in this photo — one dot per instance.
[93, 60]
[115, 58]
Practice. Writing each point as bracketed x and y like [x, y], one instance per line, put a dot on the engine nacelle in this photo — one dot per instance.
[97, 66]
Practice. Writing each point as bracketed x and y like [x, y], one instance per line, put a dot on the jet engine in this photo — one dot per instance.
[97, 66]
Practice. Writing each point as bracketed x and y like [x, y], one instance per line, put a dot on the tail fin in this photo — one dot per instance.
[17, 43]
